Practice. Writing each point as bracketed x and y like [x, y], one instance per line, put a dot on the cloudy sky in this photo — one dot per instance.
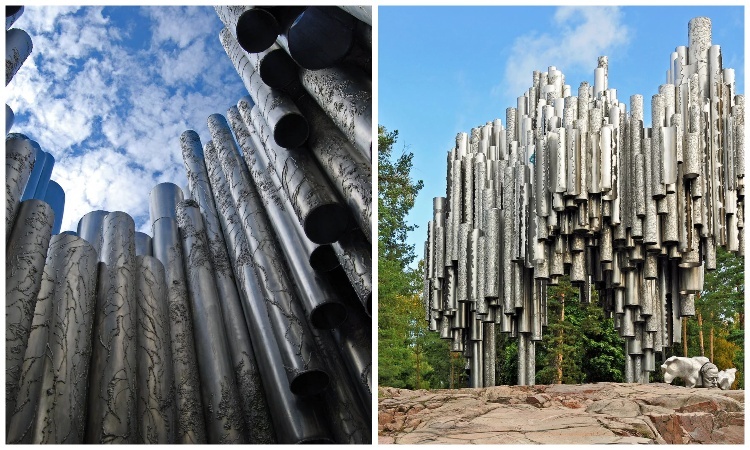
[443, 70]
[109, 90]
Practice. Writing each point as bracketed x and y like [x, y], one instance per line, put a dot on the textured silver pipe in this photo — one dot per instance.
[90, 229]
[322, 305]
[19, 162]
[24, 266]
[295, 419]
[254, 28]
[112, 391]
[317, 207]
[12, 13]
[353, 252]
[167, 249]
[284, 310]
[55, 196]
[288, 125]
[319, 37]
[156, 406]
[221, 408]
[276, 68]
[143, 245]
[345, 94]
[9, 118]
[40, 175]
[349, 171]
[18, 47]
[51, 402]
[252, 399]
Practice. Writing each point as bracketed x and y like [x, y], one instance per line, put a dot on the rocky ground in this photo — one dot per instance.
[602, 413]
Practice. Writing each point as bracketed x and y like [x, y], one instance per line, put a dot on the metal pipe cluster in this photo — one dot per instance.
[243, 318]
[578, 186]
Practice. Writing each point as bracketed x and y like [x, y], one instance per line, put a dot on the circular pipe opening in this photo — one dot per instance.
[326, 223]
[309, 382]
[10, 10]
[321, 37]
[277, 69]
[323, 258]
[291, 131]
[328, 315]
[256, 30]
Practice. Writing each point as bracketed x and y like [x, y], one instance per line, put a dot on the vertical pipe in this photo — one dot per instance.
[254, 28]
[143, 245]
[19, 162]
[251, 397]
[18, 47]
[9, 118]
[112, 392]
[221, 408]
[24, 266]
[295, 419]
[156, 407]
[55, 196]
[90, 229]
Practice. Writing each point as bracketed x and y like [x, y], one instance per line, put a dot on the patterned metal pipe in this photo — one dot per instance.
[276, 68]
[40, 175]
[254, 28]
[289, 126]
[191, 428]
[304, 371]
[255, 409]
[12, 13]
[345, 94]
[363, 13]
[156, 407]
[353, 251]
[221, 408]
[295, 418]
[18, 47]
[19, 162]
[50, 406]
[9, 118]
[55, 196]
[143, 245]
[112, 392]
[24, 265]
[319, 37]
[348, 170]
[322, 305]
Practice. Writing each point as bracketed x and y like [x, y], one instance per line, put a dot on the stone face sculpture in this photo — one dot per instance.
[697, 371]
[726, 378]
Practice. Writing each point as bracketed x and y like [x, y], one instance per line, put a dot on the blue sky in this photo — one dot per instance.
[108, 91]
[443, 70]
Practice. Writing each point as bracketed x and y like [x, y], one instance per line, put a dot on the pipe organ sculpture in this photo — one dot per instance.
[244, 317]
[581, 186]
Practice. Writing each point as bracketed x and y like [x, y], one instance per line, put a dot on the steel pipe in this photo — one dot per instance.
[19, 162]
[319, 37]
[143, 244]
[24, 265]
[18, 47]
[90, 229]
[9, 118]
[39, 179]
[254, 28]
[12, 13]
[55, 196]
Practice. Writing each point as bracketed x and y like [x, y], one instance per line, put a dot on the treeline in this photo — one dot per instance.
[579, 345]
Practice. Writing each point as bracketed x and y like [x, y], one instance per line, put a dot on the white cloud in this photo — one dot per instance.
[112, 114]
[574, 40]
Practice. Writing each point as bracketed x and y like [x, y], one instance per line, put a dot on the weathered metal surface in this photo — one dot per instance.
[18, 47]
[19, 162]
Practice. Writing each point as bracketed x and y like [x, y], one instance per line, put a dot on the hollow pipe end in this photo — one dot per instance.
[328, 315]
[278, 69]
[256, 30]
[323, 258]
[309, 382]
[10, 10]
[326, 223]
[291, 131]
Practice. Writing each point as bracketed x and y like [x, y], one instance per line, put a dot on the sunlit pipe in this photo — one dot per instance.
[19, 162]
[322, 305]
[316, 205]
[50, 407]
[143, 245]
[288, 125]
[12, 13]
[55, 196]
[349, 171]
[284, 310]
[156, 406]
[40, 173]
[252, 399]
[24, 267]
[345, 94]
[295, 418]
[254, 28]
[112, 388]
[18, 47]
[221, 408]
[168, 250]
[320, 37]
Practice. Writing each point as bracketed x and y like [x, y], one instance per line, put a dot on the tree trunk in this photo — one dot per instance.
[700, 333]
[559, 355]
[684, 337]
